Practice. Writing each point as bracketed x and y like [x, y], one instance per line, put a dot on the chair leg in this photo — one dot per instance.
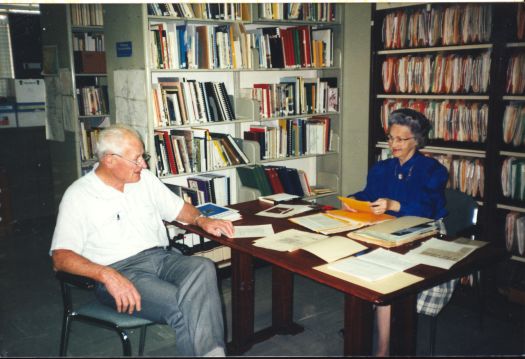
[126, 345]
[433, 327]
[64, 338]
[142, 340]
[480, 292]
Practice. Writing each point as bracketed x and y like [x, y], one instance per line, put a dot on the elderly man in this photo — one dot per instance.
[110, 229]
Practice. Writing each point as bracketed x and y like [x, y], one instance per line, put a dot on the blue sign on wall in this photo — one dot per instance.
[124, 49]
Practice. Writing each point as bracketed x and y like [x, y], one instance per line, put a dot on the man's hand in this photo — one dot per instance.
[216, 227]
[126, 296]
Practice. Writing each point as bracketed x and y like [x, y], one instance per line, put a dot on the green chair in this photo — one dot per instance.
[96, 314]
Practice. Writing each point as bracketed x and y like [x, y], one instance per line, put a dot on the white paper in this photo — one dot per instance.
[262, 230]
[288, 240]
[439, 253]
[323, 223]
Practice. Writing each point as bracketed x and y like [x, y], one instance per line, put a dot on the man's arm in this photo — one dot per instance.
[190, 214]
[126, 296]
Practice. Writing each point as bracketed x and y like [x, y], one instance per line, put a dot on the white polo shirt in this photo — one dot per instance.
[106, 225]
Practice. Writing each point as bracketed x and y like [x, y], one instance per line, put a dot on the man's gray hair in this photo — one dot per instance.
[110, 140]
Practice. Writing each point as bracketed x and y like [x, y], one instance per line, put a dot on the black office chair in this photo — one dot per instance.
[460, 221]
[97, 314]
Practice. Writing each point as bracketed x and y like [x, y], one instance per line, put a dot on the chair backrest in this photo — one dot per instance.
[462, 211]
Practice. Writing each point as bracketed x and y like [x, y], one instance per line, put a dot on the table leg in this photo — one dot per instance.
[403, 328]
[358, 323]
[242, 302]
[282, 302]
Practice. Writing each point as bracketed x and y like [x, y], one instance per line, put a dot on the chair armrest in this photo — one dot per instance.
[76, 280]
[468, 232]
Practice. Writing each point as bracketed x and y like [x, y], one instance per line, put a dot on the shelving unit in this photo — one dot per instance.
[74, 34]
[502, 43]
[138, 72]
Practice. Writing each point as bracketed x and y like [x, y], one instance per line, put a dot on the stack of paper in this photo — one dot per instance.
[396, 231]
[278, 198]
[374, 265]
[323, 223]
[442, 254]
[212, 210]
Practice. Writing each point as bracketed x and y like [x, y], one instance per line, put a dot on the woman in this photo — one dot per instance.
[408, 184]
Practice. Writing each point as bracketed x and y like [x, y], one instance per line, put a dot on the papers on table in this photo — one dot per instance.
[262, 230]
[284, 210]
[327, 248]
[289, 240]
[374, 265]
[325, 224]
[442, 254]
[211, 210]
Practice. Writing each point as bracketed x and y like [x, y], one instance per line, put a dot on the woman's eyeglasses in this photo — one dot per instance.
[391, 139]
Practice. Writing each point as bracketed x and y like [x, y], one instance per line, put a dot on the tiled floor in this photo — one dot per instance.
[30, 314]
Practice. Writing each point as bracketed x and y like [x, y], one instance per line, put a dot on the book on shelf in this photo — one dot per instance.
[514, 124]
[253, 176]
[211, 210]
[192, 196]
[396, 232]
[515, 233]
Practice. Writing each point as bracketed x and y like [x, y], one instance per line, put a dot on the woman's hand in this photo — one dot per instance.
[381, 205]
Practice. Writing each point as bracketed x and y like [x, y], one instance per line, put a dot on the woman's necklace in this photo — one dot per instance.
[400, 175]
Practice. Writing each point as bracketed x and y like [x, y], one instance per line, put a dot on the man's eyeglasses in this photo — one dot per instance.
[391, 139]
[143, 159]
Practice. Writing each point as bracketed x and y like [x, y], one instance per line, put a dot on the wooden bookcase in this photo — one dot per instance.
[499, 47]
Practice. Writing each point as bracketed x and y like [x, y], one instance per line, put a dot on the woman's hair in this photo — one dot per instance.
[417, 122]
[111, 139]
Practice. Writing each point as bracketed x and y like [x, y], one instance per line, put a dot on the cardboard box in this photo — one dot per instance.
[90, 62]
[7, 116]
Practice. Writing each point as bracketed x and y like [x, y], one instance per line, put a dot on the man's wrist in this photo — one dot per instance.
[196, 220]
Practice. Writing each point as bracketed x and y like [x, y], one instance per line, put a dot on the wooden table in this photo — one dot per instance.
[358, 303]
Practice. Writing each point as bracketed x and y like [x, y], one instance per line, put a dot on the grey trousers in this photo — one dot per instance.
[177, 290]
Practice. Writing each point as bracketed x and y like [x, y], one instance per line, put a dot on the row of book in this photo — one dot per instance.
[88, 144]
[515, 83]
[231, 46]
[181, 102]
[513, 178]
[451, 120]
[87, 41]
[438, 74]
[514, 124]
[87, 15]
[295, 137]
[195, 150]
[515, 233]
[296, 96]
[204, 188]
[464, 174]
[297, 11]
[92, 100]
[440, 25]
[212, 11]
[275, 179]
[191, 46]
[294, 47]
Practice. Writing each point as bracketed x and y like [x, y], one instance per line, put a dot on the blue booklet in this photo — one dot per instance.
[212, 210]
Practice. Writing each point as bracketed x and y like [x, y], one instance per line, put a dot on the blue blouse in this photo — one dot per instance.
[418, 185]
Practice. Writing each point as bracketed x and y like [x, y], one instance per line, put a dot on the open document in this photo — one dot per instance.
[328, 249]
[374, 265]
[261, 230]
[284, 210]
[325, 224]
[442, 254]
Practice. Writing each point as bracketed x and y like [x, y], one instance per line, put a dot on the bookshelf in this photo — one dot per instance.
[467, 108]
[76, 86]
[131, 80]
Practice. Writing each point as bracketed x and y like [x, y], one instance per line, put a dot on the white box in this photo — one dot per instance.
[7, 116]
[30, 102]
